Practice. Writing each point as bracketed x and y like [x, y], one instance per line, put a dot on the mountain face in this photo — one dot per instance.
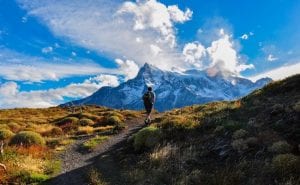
[172, 89]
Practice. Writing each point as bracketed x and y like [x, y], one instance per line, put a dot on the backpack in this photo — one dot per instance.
[148, 97]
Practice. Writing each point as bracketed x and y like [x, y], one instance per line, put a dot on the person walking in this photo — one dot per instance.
[149, 100]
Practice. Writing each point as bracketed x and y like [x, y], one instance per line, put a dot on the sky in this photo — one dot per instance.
[53, 51]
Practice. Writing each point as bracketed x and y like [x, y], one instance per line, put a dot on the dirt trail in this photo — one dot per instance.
[76, 164]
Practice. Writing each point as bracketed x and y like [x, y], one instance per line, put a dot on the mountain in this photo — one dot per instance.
[173, 89]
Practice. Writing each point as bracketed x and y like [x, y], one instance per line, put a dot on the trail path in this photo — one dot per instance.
[75, 164]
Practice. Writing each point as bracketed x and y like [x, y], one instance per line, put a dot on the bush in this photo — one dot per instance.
[219, 130]
[5, 134]
[86, 122]
[68, 120]
[252, 141]
[240, 145]
[24, 177]
[56, 131]
[15, 127]
[239, 134]
[296, 107]
[85, 130]
[280, 147]
[147, 137]
[286, 164]
[27, 138]
[177, 122]
[114, 120]
[95, 178]
[233, 125]
[91, 144]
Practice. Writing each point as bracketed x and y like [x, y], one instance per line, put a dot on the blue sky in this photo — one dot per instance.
[55, 51]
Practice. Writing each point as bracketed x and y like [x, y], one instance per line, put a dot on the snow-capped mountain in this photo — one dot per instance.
[173, 89]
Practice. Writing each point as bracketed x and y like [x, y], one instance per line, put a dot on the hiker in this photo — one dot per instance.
[149, 99]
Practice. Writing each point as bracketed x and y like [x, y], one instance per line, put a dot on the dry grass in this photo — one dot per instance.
[56, 125]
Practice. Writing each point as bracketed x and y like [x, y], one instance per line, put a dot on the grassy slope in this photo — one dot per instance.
[57, 126]
[254, 140]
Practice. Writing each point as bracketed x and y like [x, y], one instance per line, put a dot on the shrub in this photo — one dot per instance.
[296, 107]
[233, 125]
[86, 122]
[5, 134]
[280, 147]
[114, 113]
[15, 127]
[4, 126]
[95, 178]
[53, 167]
[118, 127]
[239, 144]
[51, 131]
[68, 120]
[286, 164]
[252, 141]
[147, 137]
[177, 122]
[85, 130]
[239, 134]
[27, 138]
[91, 144]
[56, 131]
[25, 177]
[114, 120]
[219, 130]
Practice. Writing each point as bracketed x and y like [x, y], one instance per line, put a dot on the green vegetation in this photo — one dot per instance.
[91, 144]
[5, 134]
[95, 178]
[27, 138]
[86, 122]
[146, 138]
[36, 136]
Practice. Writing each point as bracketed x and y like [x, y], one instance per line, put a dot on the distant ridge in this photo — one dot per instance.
[173, 89]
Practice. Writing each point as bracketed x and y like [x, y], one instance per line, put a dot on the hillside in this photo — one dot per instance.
[254, 140]
[42, 143]
[173, 89]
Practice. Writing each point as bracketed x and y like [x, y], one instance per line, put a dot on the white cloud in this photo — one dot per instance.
[155, 49]
[12, 97]
[222, 52]
[179, 16]
[279, 73]
[244, 37]
[194, 54]
[112, 27]
[221, 55]
[271, 58]
[129, 68]
[19, 67]
[156, 16]
[48, 49]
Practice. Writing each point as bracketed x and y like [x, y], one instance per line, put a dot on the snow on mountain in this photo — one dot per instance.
[173, 89]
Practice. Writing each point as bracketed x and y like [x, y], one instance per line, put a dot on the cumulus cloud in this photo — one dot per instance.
[279, 73]
[221, 55]
[11, 96]
[156, 16]
[116, 29]
[128, 68]
[271, 58]
[194, 54]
